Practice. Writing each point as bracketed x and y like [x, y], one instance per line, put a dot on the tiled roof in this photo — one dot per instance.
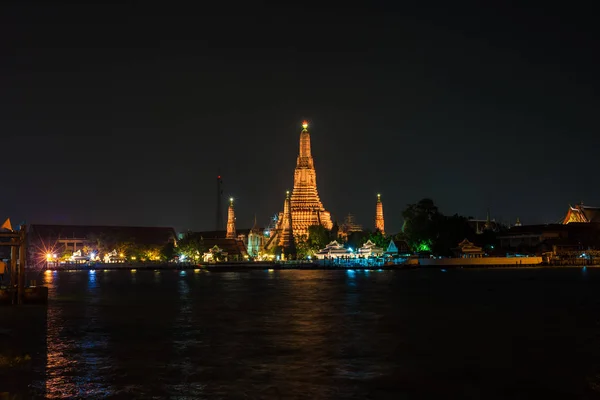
[592, 214]
[581, 213]
[231, 246]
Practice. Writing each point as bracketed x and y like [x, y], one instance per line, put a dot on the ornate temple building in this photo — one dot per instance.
[581, 213]
[482, 225]
[285, 229]
[350, 225]
[231, 221]
[370, 249]
[333, 250]
[379, 222]
[255, 241]
[304, 205]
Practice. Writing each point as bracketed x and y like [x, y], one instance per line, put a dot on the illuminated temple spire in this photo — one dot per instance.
[305, 205]
[304, 156]
[231, 221]
[286, 236]
[379, 221]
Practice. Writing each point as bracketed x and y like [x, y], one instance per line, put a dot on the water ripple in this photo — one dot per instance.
[312, 335]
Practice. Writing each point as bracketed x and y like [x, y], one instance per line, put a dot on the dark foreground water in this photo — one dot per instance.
[420, 334]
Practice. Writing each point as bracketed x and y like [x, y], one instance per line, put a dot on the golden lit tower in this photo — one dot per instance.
[379, 222]
[231, 221]
[286, 233]
[305, 205]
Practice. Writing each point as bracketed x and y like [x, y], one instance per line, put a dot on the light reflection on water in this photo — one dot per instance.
[321, 334]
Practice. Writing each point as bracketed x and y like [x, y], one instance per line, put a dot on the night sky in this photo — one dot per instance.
[124, 114]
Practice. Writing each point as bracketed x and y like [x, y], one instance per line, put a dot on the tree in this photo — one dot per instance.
[427, 230]
[334, 233]
[379, 239]
[357, 238]
[191, 246]
[168, 251]
[450, 230]
[318, 237]
[126, 248]
[303, 249]
[420, 223]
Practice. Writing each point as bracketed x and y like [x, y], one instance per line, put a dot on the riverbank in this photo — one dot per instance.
[247, 266]
[233, 266]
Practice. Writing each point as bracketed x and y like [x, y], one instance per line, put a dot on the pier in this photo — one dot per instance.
[17, 292]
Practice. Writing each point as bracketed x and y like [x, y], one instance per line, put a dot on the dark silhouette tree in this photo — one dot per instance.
[420, 221]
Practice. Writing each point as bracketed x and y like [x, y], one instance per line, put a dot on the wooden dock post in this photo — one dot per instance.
[18, 261]
[13, 269]
[22, 262]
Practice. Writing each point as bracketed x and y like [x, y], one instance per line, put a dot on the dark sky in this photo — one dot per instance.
[124, 113]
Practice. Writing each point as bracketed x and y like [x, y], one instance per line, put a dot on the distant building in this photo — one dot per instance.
[370, 249]
[5, 250]
[305, 206]
[61, 239]
[227, 249]
[224, 250]
[255, 241]
[554, 238]
[334, 250]
[392, 249]
[482, 225]
[581, 213]
[518, 222]
[286, 227]
[466, 249]
[349, 226]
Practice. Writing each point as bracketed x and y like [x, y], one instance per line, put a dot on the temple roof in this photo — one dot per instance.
[334, 245]
[392, 248]
[230, 246]
[581, 213]
[335, 248]
[467, 247]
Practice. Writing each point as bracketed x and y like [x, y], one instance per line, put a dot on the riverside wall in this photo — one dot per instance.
[483, 261]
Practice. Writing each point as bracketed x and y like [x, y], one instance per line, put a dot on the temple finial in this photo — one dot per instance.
[305, 124]
[231, 201]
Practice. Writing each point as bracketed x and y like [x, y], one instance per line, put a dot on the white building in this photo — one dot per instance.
[369, 249]
[334, 250]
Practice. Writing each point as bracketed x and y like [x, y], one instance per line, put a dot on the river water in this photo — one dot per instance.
[418, 334]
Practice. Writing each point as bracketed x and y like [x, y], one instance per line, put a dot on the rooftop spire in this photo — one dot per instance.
[231, 221]
[286, 238]
[379, 221]
[305, 158]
